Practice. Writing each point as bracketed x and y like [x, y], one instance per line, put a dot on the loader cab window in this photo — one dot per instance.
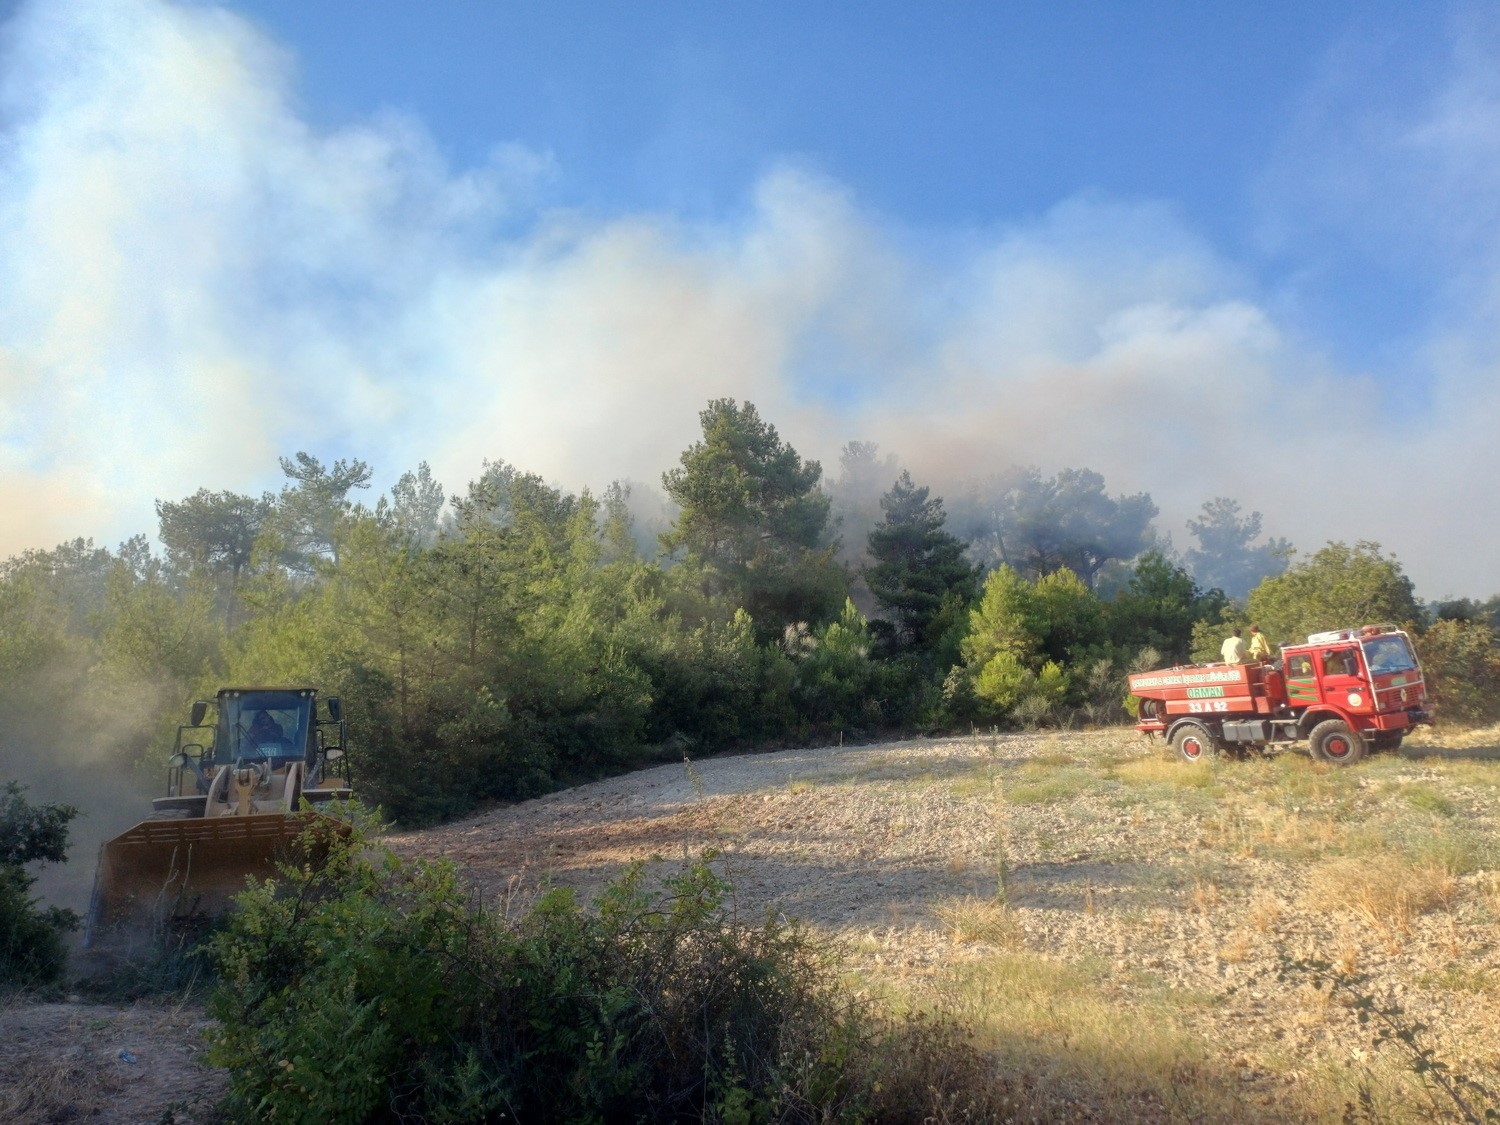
[263, 724]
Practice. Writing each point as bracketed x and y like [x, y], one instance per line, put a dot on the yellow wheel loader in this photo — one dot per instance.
[234, 807]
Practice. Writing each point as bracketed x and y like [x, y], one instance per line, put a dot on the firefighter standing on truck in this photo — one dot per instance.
[1260, 648]
[1234, 650]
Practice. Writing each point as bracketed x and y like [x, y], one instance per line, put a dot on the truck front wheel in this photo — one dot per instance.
[1194, 743]
[1332, 741]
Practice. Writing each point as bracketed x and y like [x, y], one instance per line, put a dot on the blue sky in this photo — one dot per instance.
[949, 116]
[1190, 246]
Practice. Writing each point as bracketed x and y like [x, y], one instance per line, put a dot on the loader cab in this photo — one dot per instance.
[269, 728]
[265, 725]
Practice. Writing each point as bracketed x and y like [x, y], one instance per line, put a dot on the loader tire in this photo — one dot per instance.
[1333, 741]
[1194, 743]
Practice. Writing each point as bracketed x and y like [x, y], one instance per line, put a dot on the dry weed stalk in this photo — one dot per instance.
[1346, 955]
[1266, 912]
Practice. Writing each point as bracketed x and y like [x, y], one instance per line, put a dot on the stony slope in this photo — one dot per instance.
[1157, 902]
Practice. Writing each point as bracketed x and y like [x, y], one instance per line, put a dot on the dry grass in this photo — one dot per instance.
[1453, 738]
[1041, 784]
[987, 920]
[1166, 772]
[1387, 895]
[1110, 918]
[1266, 911]
[50, 1088]
[1053, 1022]
[1237, 948]
[1249, 827]
[63, 1062]
[1206, 896]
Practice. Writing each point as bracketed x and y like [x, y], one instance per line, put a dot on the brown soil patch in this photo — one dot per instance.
[101, 1063]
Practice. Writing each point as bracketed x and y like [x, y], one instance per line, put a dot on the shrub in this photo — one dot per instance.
[1462, 662]
[373, 988]
[32, 951]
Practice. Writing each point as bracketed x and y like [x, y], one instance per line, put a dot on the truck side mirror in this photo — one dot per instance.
[200, 708]
[335, 708]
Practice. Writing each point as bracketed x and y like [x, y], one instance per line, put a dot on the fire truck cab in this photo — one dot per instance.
[1346, 691]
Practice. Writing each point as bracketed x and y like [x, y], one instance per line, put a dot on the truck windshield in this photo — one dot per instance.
[1388, 654]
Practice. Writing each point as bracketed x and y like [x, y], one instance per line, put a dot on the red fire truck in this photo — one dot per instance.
[1346, 692]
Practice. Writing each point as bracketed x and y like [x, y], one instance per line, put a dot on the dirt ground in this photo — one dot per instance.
[77, 1062]
[1100, 909]
[1177, 895]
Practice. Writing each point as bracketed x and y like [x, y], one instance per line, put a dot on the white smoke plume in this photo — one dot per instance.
[194, 279]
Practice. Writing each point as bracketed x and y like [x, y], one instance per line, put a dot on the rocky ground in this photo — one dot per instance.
[1123, 929]
[1161, 906]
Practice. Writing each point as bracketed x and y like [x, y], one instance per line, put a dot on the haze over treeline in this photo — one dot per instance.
[514, 636]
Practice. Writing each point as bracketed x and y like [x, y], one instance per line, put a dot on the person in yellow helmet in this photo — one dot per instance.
[1260, 648]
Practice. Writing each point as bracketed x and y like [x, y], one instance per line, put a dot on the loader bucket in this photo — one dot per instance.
[163, 871]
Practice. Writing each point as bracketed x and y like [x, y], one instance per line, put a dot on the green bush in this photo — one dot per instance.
[375, 989]
[32, 951]
[1461, 660]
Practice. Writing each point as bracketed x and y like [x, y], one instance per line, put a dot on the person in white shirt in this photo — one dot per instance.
[1234, 650]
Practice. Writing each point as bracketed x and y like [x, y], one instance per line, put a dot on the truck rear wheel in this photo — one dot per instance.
[1333, 741]
[1194, 743]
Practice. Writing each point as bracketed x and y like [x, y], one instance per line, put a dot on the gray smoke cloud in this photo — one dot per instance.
[194, 279]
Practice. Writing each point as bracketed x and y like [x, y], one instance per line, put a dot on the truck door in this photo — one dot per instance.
[1343, 676]
[1301, 682]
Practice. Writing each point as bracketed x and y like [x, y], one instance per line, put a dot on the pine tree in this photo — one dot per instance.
[752, 515]
[917, 564]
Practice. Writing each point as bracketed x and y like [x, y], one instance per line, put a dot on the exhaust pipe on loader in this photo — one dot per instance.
[238, 792]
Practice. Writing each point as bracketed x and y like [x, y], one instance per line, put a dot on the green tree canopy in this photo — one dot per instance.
[752, 515]
[1159, 607]
[314, 504]
[1462, 661]
[1339, 587]
[31, 945]
[917, 564]
[417, 505]
[1056, 618]
[214, 533]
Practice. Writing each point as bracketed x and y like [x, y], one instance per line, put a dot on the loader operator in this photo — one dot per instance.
[264, 730]
[1234, 650]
